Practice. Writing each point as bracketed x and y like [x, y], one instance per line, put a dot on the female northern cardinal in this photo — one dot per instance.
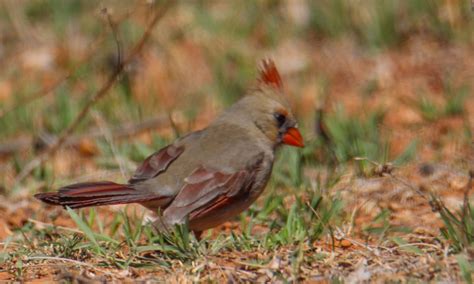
[207, 176]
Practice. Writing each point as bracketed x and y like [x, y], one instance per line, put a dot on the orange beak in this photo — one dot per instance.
[293, 137]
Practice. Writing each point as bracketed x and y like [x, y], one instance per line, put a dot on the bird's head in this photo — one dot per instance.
[268, 109]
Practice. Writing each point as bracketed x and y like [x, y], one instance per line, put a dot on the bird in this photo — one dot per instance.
[209, 176]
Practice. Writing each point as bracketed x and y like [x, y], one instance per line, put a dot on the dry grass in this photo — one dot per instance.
[398, 96]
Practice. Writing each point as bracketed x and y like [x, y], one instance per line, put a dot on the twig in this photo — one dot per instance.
[353, 216]
[18, 20]
[48, 90]
[36, 222]
[100, 121]
[115, 33]
[94, 99]
[371, 249]
[173, 125]
[71, 261]
[417, 244]
[321, 129]
[465, 206]
[119, 132]
[386, 170]
[42, 93]
[405, 183]
[108, 137]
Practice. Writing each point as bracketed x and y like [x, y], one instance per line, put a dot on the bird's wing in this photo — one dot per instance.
[207, 188]
[156, 163]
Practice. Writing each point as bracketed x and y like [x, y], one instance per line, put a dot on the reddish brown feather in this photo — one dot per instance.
[95, 189]
[207, 189]
[157, 163]
[269, 74]
[222, 201]
[108, 193]
[201, 182]
[95, 194]
[48, 197]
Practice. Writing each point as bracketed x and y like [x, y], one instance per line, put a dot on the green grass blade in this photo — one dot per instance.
[84, 228]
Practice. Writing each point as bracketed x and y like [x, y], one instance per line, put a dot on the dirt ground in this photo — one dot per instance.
[392, 200]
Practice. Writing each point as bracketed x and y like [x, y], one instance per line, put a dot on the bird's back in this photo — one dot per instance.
[226, 147]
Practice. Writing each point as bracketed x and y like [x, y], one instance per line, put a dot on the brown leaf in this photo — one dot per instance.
[4, 232]
[87, 147]
[345, 243]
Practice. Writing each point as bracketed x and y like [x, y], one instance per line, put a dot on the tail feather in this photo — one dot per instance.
[101, 188]
[96, 194]
[48, 197]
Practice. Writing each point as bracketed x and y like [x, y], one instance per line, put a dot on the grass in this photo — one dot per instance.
[376, 24]
[454, 98]
[201, 60]
[126, 242]
[459, 225]
[459, 229]
[358, 139]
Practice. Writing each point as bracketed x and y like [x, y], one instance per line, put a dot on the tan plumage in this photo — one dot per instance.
[210, 175]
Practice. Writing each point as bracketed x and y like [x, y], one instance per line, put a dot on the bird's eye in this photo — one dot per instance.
[280, 118]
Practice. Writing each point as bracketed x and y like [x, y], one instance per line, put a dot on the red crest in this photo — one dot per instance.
[269, 74]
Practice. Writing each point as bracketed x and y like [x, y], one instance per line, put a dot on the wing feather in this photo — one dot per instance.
[207, 188]
[156, 163]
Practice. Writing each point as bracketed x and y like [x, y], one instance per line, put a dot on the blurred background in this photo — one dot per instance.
[376, 85]
[385, 80]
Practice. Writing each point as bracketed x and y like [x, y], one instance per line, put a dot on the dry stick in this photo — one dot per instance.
[42, 93]
[465, 206]
[50, 89]
[39, 223]
[115, 33]
[95, 98]
[119, 132]
[118, 63]
[76, 262]
[107, 134]
[18, 20]
[386, 170]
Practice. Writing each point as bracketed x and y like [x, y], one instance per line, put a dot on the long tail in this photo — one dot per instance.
[95, 194]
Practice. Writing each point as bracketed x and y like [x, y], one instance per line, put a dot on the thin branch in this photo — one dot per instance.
[466, 204]
[107, 134]
[76, 262]
[173, 125]
[42, 224]
[95, 98]
[115, 33]
[92, 50]
[386, 170]
[118, 132]
[48, 90]
[20, 24]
